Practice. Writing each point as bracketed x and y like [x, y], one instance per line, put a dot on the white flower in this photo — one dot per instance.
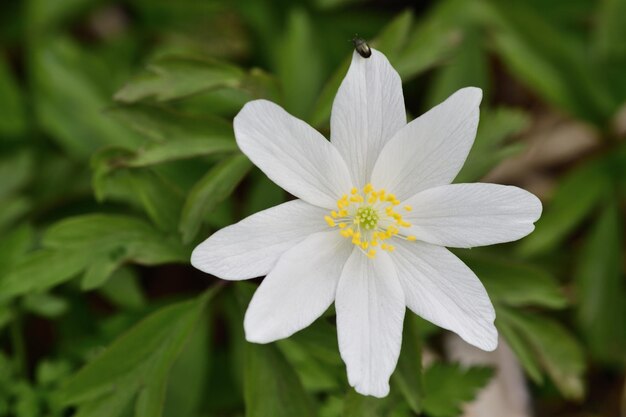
[375, 209]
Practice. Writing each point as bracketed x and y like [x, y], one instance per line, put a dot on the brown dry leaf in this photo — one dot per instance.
[507, 393]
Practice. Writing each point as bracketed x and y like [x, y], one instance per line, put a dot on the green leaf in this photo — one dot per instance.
[174, 77]
[610, 30]
[176, 136]
[321, 111]
[515, 283]
[214, 187]
[555, 348]
[272, 388]
[574, 199]
[41, 270]
[163, 124]
[44, 15]
[13, 209]
[600, 287]
[13, 246]
[433, 39]
[408, 374]
[100, 270]
[74, 244]
[447, 386]
[520, 346]
[69, 103]
[13, 120]
[161, 200]
[106, 232]
[467, 67]
[392, 39]
[123, 289]
[356, 405]
[550, 61]
[16, 170]
[45, 304]
[489, 149]
[158, 153]
[299, 64]
[263, 194]
[315, 355]
[187, 385]
[136, 365]
[608, 43]
[150, 189]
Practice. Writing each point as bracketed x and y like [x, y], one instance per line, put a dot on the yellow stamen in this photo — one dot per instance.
[368, 217]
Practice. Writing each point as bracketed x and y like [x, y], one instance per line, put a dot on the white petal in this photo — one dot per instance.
[467, 215]
[443, 290]
[250, 248]
[368, 110]
[291, 153]
[370, 310]
[299, 289]
[430, 150]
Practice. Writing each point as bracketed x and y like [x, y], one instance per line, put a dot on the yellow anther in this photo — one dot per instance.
[346, 232]
[368, 217]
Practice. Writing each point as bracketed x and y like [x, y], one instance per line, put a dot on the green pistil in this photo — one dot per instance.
[367, 218]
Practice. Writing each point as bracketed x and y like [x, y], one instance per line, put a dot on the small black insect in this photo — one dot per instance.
[362, 47]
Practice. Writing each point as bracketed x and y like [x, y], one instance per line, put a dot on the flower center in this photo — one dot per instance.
[369, 218]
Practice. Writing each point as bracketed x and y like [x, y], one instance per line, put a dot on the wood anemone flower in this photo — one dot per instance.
[375, 211]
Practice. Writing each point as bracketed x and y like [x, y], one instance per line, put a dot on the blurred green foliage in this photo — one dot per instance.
[117, 156]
